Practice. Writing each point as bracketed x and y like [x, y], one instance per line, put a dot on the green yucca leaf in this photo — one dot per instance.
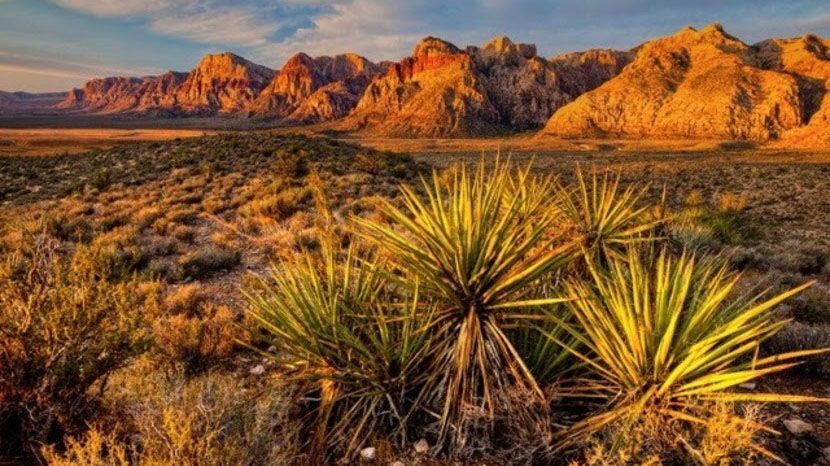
[477, 245]
[663, 331]
[345, 331]
[606, 217]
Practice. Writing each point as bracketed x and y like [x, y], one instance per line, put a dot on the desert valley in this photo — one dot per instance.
[465, 256]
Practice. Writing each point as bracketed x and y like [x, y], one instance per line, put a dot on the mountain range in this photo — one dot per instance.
[701, 83]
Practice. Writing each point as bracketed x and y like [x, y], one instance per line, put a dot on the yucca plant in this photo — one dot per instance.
[345, 330]
[662, 333]
[605, 217]
[478, 254]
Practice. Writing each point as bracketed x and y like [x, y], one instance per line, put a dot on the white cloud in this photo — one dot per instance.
[243, 24]
[112, 8]
[234, 26]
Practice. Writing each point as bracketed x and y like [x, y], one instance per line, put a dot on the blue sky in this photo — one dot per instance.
[58, 44]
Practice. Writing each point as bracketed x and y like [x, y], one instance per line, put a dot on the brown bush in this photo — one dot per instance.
[64, 328]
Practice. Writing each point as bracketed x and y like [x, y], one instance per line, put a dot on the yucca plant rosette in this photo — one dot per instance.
[478, 251]
[657, 332]
[606, 218]
[339, 326]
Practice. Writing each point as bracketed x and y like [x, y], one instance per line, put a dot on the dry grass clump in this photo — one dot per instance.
[728, 435]
[196, 342]
[211, 419]
[697, 225]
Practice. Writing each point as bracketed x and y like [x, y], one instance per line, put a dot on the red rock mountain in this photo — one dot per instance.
[435, 92]
[696, 83]
[442, 90]
[220, 84]
[224, 83]
[121, 95]
[315, 89]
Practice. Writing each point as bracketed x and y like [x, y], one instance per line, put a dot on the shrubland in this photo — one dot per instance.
[252, 299]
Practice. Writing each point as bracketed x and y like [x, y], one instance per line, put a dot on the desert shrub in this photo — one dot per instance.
[66, 227]
[347, 336]
[187, 216]
[472, 248]
[64, 329]
[290, 163]
[798, 258]
[797, 336]
[95, 448]
[658, 333]
[204, 261]
[101, 179]
[186, 299]
[209, 420]
[812, 306]
[196, 341]
[146, 216]
[184, 233]
[280, 205]
[698, 226]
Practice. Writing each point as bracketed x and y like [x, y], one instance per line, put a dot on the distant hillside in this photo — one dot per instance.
[12, 102]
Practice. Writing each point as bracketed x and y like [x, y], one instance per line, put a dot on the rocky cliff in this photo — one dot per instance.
[220, 84]
[441, 90]
[315, 89]
[694, 84]
[807, 59]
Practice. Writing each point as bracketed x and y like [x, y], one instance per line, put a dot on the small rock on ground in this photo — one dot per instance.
[421, 446]
[368, 453]
[797, 426]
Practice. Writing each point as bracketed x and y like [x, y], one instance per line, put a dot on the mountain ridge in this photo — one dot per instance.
[697, 83]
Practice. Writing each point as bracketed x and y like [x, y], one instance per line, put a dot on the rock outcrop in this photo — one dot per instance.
[307, 90]
[694, 84]
[435, 92]
[580, 72]
[808, 60]
[223, 83]
[220, 84]
[522, 87]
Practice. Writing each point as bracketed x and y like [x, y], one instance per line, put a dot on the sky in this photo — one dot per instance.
[51, 45]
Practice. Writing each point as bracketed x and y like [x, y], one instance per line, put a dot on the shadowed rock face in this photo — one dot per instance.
[700, 84]
[808, 60]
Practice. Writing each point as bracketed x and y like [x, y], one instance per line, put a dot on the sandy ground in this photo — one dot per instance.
[56, 141]
[46, 141]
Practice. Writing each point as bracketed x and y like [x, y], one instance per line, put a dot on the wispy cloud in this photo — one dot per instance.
[63, 68]
[242, 24]
[114, 8]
